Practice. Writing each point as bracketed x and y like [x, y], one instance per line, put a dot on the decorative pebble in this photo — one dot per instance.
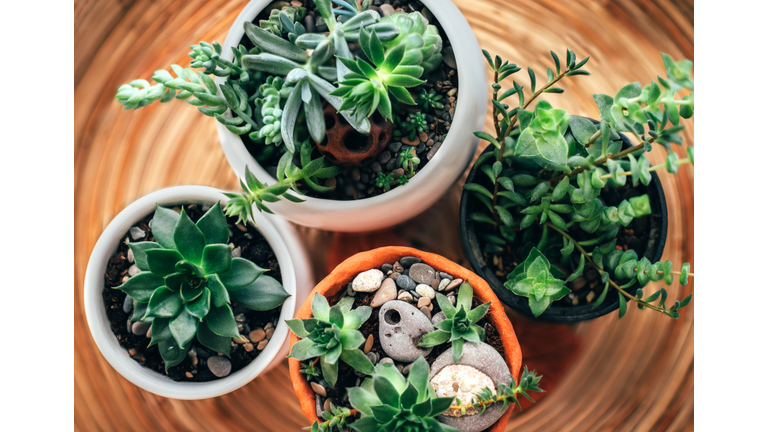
[131, 258]
[452, 299]
[397, 267]
[368, 281]
[220, 366]
[405, 296]
[236, 252]
[387, 9]
[425, 291]
[317, 388]
[453, 284]
[406, 282]
[248, 346]
[240, 318]
[133, 270]
[440, 316]
[372, 357]
[241, 340]
[424, 301]
[443, 285]
[387, 292]
[368, 344]
[140, 328]
[386, 268]
[578, 284]
[257, 335]
[435, 284]
[262, 344]
[407, 369]
[444, 275]
[127, 304]
[409, 261]
[395, 275]
[327, 405]
[401, 327]
[426, 312]
[270, 332]
[137, 233]
[188, 374]
[386, 360]
[350, 291]
[319, 405]
[421, 273]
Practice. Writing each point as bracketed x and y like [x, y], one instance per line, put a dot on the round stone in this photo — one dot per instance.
[440, 316]
[220, 366]
[317, 388]
[368, 344]
[425, 291]
[453, 284]
[140, 328]
[409, 261]
[133, 270]
[443, 284]
[444, 275]
[426, 312]
[387, 292]
[405, 296]
[424, 301]
[401, 327]
[421, 273]
[127, 304]
[257, 335]
[368, 281]
[406, 283]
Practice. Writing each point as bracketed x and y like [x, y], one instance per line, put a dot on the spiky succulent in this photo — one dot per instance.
[416, 34]
[274, 94]
[414, 124]
[332, 335]
[408, 160]
[187, 281]
[286, 20]
[534, 279]
[430, 99]
[389, 402]
[460, 323]
[351, 7]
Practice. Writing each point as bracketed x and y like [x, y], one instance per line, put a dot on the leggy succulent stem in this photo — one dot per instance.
[600, 161]
[654, 168]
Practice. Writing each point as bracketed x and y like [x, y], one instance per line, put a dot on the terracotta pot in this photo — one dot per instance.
[336, 282]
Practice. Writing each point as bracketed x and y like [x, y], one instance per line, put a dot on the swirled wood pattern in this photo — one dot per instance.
[630, 375]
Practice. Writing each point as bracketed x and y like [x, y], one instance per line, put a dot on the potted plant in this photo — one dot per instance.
[348, 128]
[399, 337]
[188, 303]
[564, 216]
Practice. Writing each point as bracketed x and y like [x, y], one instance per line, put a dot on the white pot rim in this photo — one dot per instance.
[421, 191]
[118, 356]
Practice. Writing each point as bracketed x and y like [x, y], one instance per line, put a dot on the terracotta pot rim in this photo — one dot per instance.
[343, 274]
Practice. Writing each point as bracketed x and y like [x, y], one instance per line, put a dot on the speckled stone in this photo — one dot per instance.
[406, 283]
[421, 273]
[444, 275]
[368, 281]
[387, 292]
[409, 261]
[443, 284]
[401, 327]
[488, 361]
[453, 284]
[405, 296]
[220, 366]
[440, 316]
[425, 291]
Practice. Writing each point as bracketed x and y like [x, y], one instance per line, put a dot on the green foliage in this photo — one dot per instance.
[336, 420]
[187, 280]
[274, 95]
[550, 177]
[431, 99]
[384, 181]
[415, 124]
[310, 370]
[285, 22]
[389, 402]
[460, 324]
[507, 395]
[408, 160]
[332, 335]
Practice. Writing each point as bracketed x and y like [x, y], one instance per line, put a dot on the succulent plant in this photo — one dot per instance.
[187, 281]
[384, 181]
[533, 279]
[408, 160]
[460, 323]
[274, 94]
[351, 7]
[389, 402]
[506, 394]
[416, 34]
[332, 336]
[415, 124]
[430, 99]
[286, 20]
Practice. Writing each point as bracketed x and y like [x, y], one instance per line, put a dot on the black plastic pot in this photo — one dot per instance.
[473, 249]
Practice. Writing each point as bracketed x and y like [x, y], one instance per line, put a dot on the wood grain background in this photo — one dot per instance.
[630, 375]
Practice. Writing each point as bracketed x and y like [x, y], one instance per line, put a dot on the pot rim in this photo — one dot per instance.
[99, 324]
[374, 258]
[459, 144]
[566, 314]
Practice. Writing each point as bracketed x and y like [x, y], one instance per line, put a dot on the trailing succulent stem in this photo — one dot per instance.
[551, 173]
[507, 395]
[187, 281]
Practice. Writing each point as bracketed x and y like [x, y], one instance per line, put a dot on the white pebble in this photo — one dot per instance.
[368, 281]
[133, 270]
[136, 233]
[236, 252]
[425, 291]
[443, 283]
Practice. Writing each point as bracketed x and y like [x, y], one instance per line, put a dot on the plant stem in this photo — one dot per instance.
[654, 168]
[600, 161]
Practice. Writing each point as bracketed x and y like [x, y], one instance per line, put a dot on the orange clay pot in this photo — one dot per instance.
[336, 283]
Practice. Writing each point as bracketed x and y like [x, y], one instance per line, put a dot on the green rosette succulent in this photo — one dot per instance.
[332, 335]
[389, 402]
[285, 21]
[460, 324]
[274, 94]
[416, 34]
[542, 139]
[187, 281]
[534, 279]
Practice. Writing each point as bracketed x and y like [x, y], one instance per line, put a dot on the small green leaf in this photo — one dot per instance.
[474, 187]
[212, 341]
[140, 249]
[200, 307]
[172, 353]
[242, 273]
[164, 303]
[264, 294]
[184, 327]
[163, 224]
[141, 286]
[213, 225]
[217, 258]
[357, 360]
[222, 322]
[188, 238]
[219, 294]
[162, 262]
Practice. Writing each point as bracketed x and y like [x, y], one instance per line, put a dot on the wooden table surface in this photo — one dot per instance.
[630, 375]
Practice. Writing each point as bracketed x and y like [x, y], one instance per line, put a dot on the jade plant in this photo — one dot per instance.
[188, 281]
[332, 336]
[544, 202]
[460, 324]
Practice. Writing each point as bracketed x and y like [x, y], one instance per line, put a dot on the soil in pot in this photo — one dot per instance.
[358, 182]
[403, 288]
[248, 243]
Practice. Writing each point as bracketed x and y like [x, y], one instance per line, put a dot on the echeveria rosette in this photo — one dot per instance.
[188, 279]
[542, 138]
[332, 335]
[416, 34]
[389, 402]
[460, 324]
[534, 279]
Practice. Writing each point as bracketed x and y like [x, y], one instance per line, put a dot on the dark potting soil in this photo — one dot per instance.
[360, 182]
[348, 378]
[253, 247]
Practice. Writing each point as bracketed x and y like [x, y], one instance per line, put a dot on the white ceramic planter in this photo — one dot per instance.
[297, 280]
[429, 184]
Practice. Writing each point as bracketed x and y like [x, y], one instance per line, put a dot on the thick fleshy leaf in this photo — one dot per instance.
[538, 306]
[188, 293]
[139, 253]
[391, 374]
[185, 266]
[188, 238]
[213, 224]
[475, 314]
[222, 322]
[164, 303]
[457, 348]
[163, 223]
[383, 413]
[200, 307]
[320, 308]
[386, 391]
[172, 353]
[439, 405]
[351, 339]
[465, 296]
[211, 340]
[241, 274]
[297, 327]
[393, 58]
[401, 94]
[434, 338]
[301, 350]
[445, 306]
[365, 424]
[362, 400]
[217, 258]
[219, 294]
[141, 286]
[274, 44]
[355, 318]
[290, 114]
[264, 294]
[160, 330]
[336, 316]
[162, 262]
[357, 360]
[139, 309]
[330, 371]
[345, 304]
[423, 409]
[333, 354]
[419, 376]
[184, 327]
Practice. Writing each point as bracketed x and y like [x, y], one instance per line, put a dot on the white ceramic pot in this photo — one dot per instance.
[297, 281]
[429, 184]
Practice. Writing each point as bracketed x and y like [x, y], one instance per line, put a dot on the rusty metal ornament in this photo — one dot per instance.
[346, 147]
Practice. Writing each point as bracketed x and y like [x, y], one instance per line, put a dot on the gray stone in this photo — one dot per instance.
[406, 282]
[444, 275]
[421, 273]
[394, 146]
[409, 261]
[387, 9]
[384, 157]
[237, 252]
[386, 360]
[140, 328]
[368, 281]
[385, 268]
[397, 267]
[454, 284]
[137, 233]
[319, 405]
[394, 275]
[133, 270]
[373, 357]
[127, 304]
[440, 316]
[488, 361]
[407, 369]
[386, 292]
[401, 327]
[220, 366]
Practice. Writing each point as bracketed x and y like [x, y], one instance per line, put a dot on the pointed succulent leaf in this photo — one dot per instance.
[222, 322]
[141, 286]
[164, 303]
[163, 225]
[188, 239]
[212, 341]
[357, 360]
[213, 225]
[242, 273]
[265, 293]
[140, 253]
[183, 328]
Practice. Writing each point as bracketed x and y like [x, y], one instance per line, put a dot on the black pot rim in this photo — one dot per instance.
[562, 314]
